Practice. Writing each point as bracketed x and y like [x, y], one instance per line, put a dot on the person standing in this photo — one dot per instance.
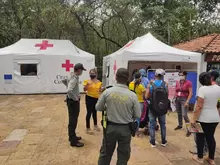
[93, 88]
[158, 93]
[183, 96]
[214, 75]
[122, 109]
[73, 104]
[208, 115]
[139, 90]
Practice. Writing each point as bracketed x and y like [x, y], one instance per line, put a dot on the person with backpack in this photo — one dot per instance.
[157, 92]
[139, 90]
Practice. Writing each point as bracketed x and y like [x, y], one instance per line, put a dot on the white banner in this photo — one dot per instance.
[171, 78]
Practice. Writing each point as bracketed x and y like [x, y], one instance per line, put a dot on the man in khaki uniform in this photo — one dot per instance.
[122, 109]
[73, 104]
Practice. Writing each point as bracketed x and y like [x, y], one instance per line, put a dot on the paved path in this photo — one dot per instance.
[33, 131]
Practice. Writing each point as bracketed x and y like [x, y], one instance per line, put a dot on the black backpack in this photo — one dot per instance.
[159, 100]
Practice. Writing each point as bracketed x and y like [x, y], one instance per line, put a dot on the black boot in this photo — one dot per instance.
[76, 144]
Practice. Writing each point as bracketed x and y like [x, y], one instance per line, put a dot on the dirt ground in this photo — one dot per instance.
[33, 131]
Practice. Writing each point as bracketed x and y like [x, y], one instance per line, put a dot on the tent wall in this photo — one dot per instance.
[54, 74]
[49, 77]
[6, 69]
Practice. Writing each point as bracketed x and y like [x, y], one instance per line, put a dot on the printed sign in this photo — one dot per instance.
[171, 78]
[8, 78]
[212, 58]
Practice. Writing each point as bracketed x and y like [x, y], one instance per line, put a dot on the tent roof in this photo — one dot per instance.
[43, 46]
[149, 45]
[121, 50]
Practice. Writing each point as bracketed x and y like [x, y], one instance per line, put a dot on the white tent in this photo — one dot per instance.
[38, 66]
[145, 48]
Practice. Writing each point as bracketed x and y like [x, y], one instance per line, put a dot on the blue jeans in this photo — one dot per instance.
[152, 125]
[142, 108]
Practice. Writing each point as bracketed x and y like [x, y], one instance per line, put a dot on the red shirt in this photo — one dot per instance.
[182, 88]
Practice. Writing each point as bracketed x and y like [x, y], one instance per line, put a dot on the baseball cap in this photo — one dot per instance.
[79, 66]
[160, 72]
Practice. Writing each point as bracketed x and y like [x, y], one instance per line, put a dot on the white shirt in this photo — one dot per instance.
[209, 113]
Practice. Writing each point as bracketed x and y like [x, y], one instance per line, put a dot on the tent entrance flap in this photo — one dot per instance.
[106, 72]
[27, 76]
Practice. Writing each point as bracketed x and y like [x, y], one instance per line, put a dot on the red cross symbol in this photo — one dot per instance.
[44, 45]
[129, 44]
[115, 67]
[67, 65]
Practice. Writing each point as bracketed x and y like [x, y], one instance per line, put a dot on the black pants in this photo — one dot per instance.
[209, 131]
[90, 106]
[73, 110]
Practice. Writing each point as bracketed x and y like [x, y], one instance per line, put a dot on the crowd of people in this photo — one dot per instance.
[142, 103]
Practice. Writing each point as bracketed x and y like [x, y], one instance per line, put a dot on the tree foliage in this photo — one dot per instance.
[103, 26]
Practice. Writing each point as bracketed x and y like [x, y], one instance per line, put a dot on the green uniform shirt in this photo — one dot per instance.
[122, 104]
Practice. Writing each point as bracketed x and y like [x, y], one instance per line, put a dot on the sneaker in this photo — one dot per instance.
[178, 128]
[89, 131]
[96, 128]
[164, 143]
[138, 133]
[153, 144]
[76, 144]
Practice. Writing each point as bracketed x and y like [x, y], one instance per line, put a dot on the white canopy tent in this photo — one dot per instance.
[38, 66]
[145, 48]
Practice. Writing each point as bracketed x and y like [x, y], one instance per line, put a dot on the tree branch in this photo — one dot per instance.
[102, 36]
[137, 29]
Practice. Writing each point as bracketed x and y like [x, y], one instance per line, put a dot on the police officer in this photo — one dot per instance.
[73, 104]
[122, 108]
